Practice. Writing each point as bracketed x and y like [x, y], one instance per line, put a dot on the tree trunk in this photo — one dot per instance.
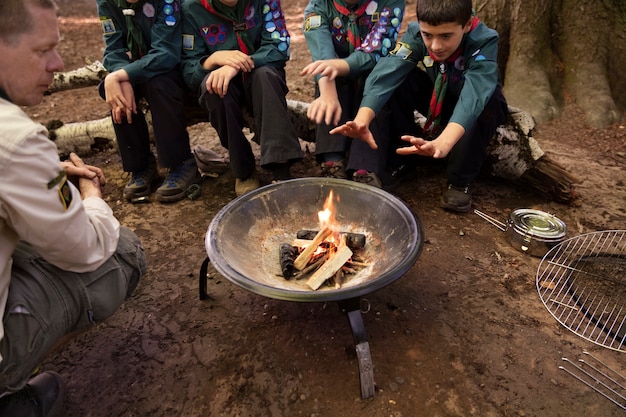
[550, 48]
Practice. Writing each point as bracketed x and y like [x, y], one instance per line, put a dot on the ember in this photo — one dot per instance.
[325, 255]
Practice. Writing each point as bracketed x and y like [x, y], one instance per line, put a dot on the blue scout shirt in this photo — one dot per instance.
[326, 31]
[473, 77]
[206, 30]
[161, 27]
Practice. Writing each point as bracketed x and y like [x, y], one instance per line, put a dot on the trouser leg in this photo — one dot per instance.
[164, 94]
[133, 140]
[468, 155]
[226, 117]
[265, 90]
[45, 304]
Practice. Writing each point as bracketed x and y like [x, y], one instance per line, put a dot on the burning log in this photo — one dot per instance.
[305, 256]
[334, 263]
[287, 254]
[353, 240]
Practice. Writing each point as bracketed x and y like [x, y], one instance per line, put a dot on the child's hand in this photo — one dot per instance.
[437, 148]
[354, 129]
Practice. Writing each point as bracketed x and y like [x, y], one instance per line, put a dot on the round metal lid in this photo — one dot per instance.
[538, 224]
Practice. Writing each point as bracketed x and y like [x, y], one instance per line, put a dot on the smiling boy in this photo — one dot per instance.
[445, 67]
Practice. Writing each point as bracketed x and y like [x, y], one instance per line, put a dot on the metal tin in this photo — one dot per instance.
[534, 232]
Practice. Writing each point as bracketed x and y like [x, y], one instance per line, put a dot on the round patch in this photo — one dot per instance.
[148, 10]
[170, 20]
[168, 10]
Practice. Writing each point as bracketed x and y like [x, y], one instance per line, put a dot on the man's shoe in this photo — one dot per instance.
[365, 177]
[42, 396]
[176, 185]
[140, 182]
[245, 186]
[334, 169]
[457, 199]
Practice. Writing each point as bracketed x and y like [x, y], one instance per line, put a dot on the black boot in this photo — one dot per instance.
[42, 396]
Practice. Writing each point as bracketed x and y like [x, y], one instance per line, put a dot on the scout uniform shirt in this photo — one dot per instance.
[473, 76]
[159, 25]
[259, 31]
[361, 33]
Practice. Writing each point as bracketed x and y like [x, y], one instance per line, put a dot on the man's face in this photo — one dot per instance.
[443, 40]
[28, 66]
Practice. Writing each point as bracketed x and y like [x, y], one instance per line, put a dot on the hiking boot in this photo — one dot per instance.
[245, 186]
[42, 396]
[140, 183]
[457, 199]
[176, 185]
[365, 177]
[334, 169]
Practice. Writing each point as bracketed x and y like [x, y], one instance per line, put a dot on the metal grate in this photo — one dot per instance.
[582, 282]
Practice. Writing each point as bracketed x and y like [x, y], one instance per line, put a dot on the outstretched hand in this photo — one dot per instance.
[435, 148]
[356, 130]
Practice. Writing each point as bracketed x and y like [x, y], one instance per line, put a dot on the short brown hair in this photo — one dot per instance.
[15, 17]
[437, 12]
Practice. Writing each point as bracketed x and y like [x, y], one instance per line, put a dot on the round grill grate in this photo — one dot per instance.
[582, 282]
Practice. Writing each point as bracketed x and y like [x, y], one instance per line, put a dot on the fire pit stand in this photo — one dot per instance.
[242, 244]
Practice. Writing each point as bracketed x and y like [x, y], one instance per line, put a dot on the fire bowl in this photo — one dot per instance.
[243, 239]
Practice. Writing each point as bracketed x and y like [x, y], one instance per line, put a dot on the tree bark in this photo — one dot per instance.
[555, 47]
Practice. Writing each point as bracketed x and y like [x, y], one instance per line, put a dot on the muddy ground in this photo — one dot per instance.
[462, 333]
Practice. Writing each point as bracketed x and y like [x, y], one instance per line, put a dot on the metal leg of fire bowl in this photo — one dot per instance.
[352, 308]
[202, 279]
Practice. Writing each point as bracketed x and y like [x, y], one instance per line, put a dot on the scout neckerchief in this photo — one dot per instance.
[441, 85]
[236, 15]
[134, 38]
[354, 37]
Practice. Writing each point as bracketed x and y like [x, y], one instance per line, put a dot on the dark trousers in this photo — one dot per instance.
[262, 93]
[468, 155]
[358, 154]
[164, 94]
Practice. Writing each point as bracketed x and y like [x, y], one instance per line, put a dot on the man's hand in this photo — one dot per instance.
[219, 79]
[90, 178]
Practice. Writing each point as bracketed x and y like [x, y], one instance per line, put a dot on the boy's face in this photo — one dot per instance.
[444, 39]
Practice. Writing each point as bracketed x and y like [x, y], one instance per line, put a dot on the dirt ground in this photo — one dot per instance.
[462, 333]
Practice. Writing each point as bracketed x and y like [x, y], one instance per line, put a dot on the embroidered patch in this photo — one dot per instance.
[312, 22]
[187, 42]
[148, 10]
[371, 7]
[56, 180]
[65, 193]
[108, 27]
[428, 61]
[402, 50]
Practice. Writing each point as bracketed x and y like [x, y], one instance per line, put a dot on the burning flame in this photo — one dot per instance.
[327, 215]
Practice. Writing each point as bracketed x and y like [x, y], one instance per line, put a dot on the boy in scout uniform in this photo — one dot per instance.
[234, 55]
[445, 66]
[346, 38]
[142, 55]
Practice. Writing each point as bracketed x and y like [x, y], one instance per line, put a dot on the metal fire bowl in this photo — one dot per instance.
[243, 239]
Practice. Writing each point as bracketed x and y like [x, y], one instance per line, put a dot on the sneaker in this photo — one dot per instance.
[245, 186]
[365, 177]
[334, 169]
[178, 180]
[457, 199]
[43, 395]
[140, 183]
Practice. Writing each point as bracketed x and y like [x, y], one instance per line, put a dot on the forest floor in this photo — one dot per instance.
[462, 333]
